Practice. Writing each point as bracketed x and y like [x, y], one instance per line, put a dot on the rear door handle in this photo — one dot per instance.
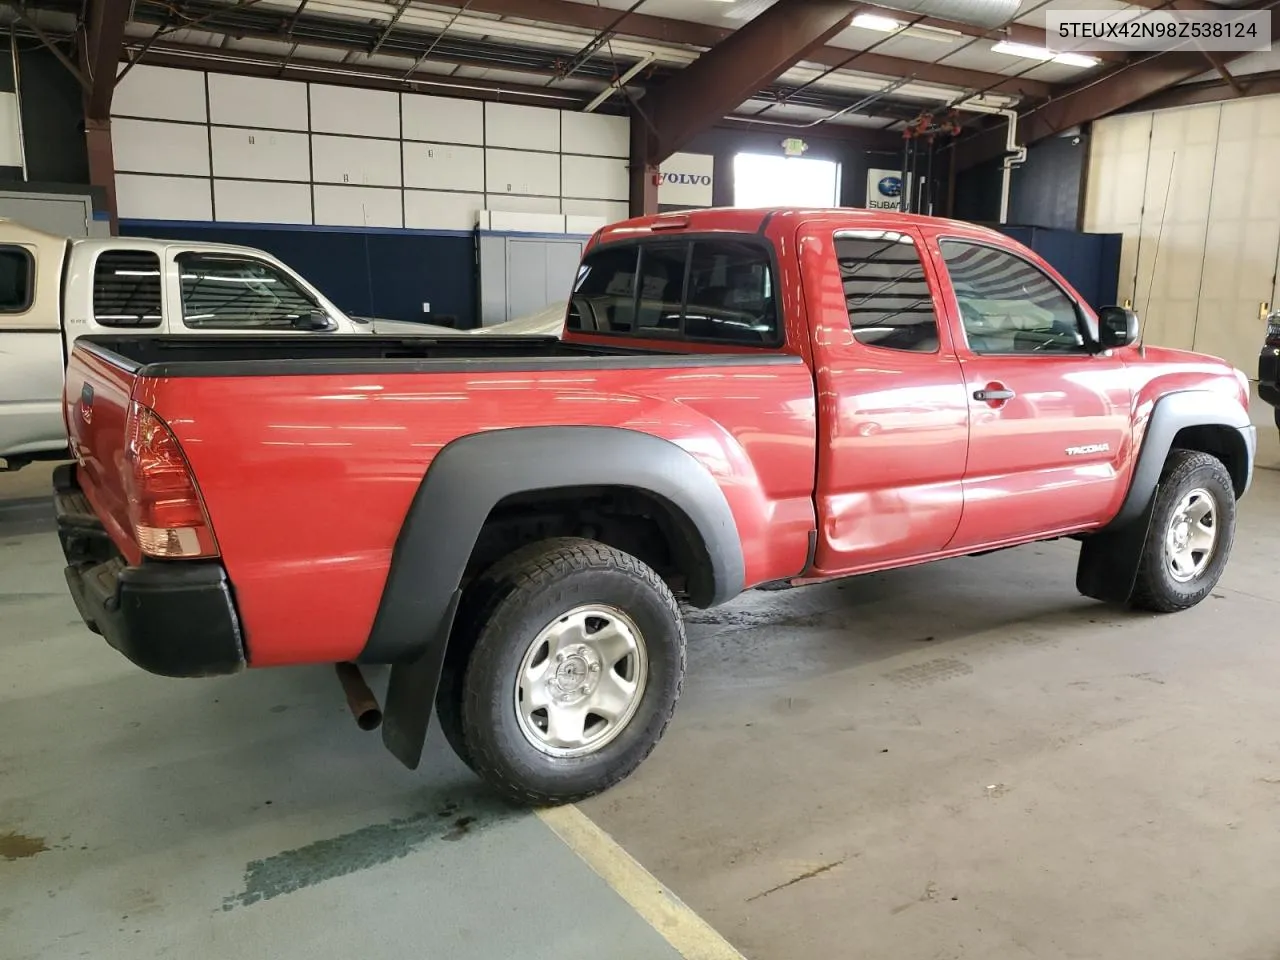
[990, 395]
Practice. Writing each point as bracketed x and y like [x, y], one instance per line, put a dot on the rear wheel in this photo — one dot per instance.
[1192, 529]
[575, 670]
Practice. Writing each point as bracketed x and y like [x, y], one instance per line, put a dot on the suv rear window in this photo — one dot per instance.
[719, 290]
[16, 270]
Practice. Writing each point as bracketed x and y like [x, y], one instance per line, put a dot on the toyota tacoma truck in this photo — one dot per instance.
[738, 398]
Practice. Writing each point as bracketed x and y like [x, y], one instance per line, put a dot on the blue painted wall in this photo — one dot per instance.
[388, 274]
[1090, 262]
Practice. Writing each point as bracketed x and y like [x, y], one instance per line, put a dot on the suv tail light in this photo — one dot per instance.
[165, 508]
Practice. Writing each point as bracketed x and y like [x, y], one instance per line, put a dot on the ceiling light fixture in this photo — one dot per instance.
[1029, 52]
[873, 21]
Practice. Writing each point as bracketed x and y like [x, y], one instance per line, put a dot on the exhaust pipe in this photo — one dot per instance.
[360, 699]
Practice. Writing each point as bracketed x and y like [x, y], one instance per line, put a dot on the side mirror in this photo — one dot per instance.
[316, 320]
[1117, 327]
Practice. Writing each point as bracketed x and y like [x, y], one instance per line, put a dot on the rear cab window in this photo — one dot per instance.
[718, 289]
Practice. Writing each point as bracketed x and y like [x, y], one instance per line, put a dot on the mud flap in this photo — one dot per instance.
[1109, 561]
[411, 695]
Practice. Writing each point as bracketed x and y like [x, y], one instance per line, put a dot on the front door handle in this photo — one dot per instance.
[993, 395]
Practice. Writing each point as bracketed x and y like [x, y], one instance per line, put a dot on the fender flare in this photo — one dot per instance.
[1172, 413]
[471, 475]
[1109, 559]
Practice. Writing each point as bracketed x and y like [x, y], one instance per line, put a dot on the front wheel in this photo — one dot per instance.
[576, 667]
[1193, 525]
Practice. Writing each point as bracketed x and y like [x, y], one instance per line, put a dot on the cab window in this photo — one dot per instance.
[224, 292]
[1008, 305]
[701, 290]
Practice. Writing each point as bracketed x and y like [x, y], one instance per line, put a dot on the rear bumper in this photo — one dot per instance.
[176, 619]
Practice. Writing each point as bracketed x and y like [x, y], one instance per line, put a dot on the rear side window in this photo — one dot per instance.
[886, 291]
[126, 289]
[719, 290]
[220, 292]
[17, 272]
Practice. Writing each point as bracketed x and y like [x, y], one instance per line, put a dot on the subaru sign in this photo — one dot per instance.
[885, 189]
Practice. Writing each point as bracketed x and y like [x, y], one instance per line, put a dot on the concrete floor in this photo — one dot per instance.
[960, 760]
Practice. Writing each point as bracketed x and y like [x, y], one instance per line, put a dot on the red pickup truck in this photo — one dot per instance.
[740, 397]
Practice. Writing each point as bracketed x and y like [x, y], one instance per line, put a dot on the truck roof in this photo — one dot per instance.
[160, 245]
[752, 220]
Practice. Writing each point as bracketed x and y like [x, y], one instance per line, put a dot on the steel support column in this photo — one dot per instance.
[100, 54]
[644, 173]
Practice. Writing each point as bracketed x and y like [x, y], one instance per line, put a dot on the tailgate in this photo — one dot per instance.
[96, 404]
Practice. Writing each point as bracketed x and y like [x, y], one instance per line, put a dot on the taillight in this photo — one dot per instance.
[168, 516]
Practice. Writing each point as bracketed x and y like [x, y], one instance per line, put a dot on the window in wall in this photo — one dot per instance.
[126, 289]
[221, 292]
[721, 289]
[886, 291]
[17, 270]
[760, 180]
[1008, 305]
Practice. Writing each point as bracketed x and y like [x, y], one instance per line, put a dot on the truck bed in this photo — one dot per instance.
[188, 356]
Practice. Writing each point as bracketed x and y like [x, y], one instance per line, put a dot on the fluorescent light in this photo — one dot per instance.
[872, 21]
[1024, 50]
[1029, 52]
[1076, 60]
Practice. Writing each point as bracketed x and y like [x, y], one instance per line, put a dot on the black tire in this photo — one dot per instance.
[473, 611]
[513, 603]
[1156, 588]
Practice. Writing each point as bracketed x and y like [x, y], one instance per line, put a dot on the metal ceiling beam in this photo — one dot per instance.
[100, 54]
[1014, 32]
[325, 71]
[1135, 81]
[1212, 91]
[643, 26]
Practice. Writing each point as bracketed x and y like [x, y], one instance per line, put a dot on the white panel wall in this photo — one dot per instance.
[270, 151]
[356, 160]
[160, 93]
[163, 198]
[442, 119]
[434, 210]
[260, 155]
[259, 201]
[442, 166]
[526, 128]
[528, 174]
[364, 113]
[586, 178]
[257, 102]
[595, 135]
[506, 203]
[611, 211]
[358, 206]
[146, 146]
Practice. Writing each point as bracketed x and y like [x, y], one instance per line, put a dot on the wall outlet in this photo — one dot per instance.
[426, 308]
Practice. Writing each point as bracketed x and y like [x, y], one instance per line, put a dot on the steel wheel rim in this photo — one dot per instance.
[1192, 535]
[581, 681]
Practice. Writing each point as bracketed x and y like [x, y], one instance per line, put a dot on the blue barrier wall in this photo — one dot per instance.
[388, 274]
[1090, 262]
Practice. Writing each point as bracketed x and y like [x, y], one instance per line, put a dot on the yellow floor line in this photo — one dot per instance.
[691, 936]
